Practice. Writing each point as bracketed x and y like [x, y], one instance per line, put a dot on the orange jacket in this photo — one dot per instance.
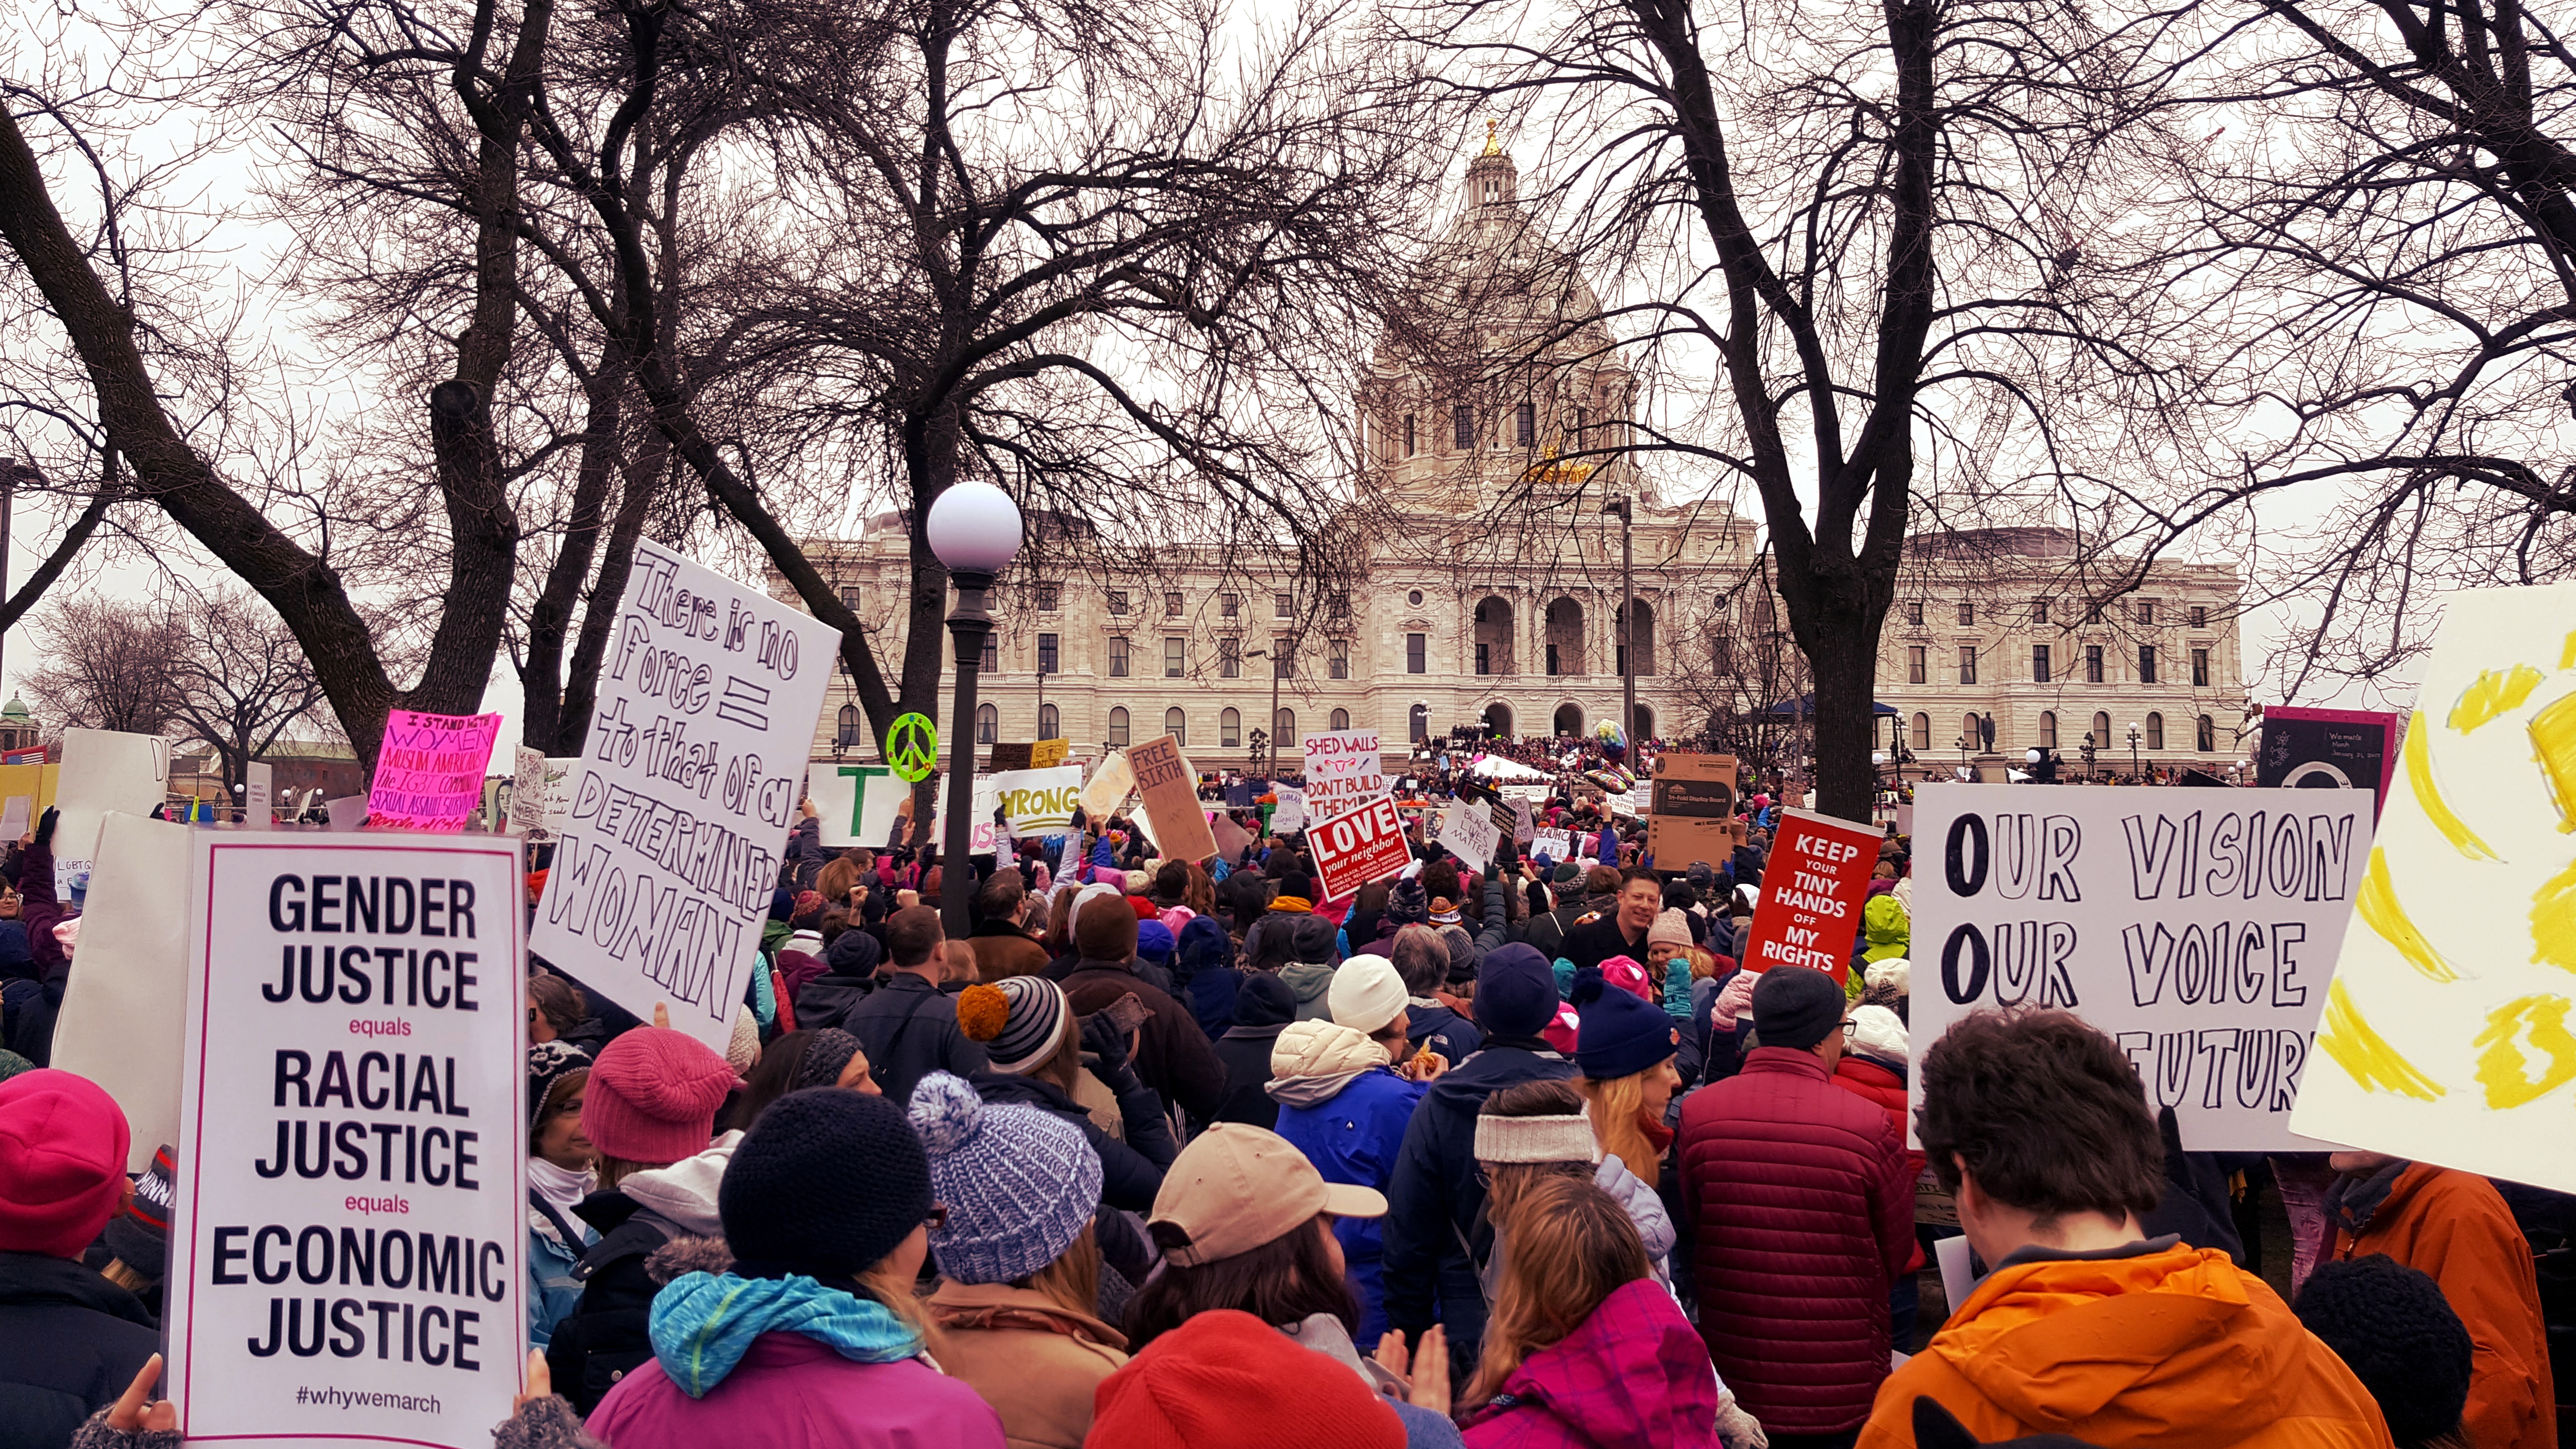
[2453, 1228]
[2174, 1349]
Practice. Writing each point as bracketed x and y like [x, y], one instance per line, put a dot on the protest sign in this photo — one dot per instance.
[348, 1260]
[32, 755]
[2344, 749]
[1524, 824]
[1108, 789]
[1811, 894]
[13, 817]
[348, 812]
[1468, 832]
[1039, 802]
[1341, 770]
[983, 835]
[1556, 845]
[125, 1011]
[2444, 1036]
[1290, 813]
[541, 792]
[102, 770]
[1690, 810]
[1171, 795]
[2192, 926]
[1358, 846]
[429, 771]
[855, 804]
[686, 790]
[1008, 757]
[1047, 754]
[256, 791]
[1231, 839]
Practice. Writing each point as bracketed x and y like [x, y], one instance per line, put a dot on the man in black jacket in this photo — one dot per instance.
[1599, 894]
[849, 977]
[1263, 1007]
[1621, 930]
[909, 1025]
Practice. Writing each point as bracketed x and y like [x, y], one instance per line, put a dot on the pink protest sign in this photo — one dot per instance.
[429, 775]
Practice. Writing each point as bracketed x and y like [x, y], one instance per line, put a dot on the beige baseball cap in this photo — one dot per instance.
[1238, 1186]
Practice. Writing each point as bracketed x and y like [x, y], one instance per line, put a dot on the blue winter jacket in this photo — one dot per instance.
[1435, 1204]
[1355, 1136]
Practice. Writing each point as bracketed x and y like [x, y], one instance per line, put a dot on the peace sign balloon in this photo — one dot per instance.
[912, 747]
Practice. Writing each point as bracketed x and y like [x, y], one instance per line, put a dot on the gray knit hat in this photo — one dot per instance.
[826, 1054]
[1021, 1020]
[1019, 1183]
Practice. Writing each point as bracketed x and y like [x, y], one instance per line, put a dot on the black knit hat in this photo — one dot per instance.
[1407, 905]
[825, 1055]
[550, 1063]
[1796, 1006]
[2394, 1330]
[826, 1183]
[1264, 1000]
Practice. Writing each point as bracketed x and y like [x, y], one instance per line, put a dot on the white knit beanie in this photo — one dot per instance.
[1566, 1138]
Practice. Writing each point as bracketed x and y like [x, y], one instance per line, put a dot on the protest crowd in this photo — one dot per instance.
[1184, 1152]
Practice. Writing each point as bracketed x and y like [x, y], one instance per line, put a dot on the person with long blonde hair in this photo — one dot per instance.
[1584, 1347]
[1623, 1051]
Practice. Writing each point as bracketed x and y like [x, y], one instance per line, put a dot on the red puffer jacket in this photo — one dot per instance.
[1873, 1080]
[1805, 1215]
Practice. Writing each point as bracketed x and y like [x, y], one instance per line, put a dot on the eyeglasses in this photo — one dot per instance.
[1850, 1027]
[937, 1222]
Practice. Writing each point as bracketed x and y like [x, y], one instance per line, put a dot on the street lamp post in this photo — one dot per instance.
[1627, 615]
[2133, 747]
[974, 529]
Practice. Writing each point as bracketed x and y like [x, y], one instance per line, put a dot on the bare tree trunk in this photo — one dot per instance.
[643, 474]
[542, 683]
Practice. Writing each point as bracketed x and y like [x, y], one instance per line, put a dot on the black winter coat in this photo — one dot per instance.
[909, 1028]
[608, 1335]
[70, 1341]
[1245, 1050]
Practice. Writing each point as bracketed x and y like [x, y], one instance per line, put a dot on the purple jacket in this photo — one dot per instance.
[1631, 1376]
[794, 1392]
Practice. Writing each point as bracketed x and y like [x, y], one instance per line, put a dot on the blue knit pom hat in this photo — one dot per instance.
[1620, 1034]
[1019, 1183]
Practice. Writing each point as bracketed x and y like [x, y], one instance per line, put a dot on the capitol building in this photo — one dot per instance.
[1484, 584]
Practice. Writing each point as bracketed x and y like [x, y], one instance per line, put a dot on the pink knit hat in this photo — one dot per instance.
[62, 1162]
[653, 1096]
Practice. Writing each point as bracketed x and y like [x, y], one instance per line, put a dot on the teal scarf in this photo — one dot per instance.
[703, 1323]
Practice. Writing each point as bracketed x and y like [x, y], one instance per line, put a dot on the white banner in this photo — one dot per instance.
[2197, 927]
[541, 793]
[102, 770]
[1290, 813]
[349, 1265]
[687, 789]
[1341, 770]
[979, 837]
[1039, 802]
[125, 1011]
[1468, 832]
[856, 804]
[1556, 845]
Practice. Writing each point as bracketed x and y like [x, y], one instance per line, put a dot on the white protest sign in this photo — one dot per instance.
[1524, 824]
[687, 788]
[541, 792]
[102, 770]
[348, 1264]
[1341, 770]
[125, 1011]
[1556, 845]
[348, 812]
[2193, 926]
[255, 798]
[855, 804]
[13, 816]
[1290, 813]
[1038, 802]
[979, 838]
[1468, 832]
[1109, 788]
[2445, 1034]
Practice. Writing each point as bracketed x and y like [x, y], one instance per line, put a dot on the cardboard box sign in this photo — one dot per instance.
[1691, 803]
[1171, 795]
[1359, 846]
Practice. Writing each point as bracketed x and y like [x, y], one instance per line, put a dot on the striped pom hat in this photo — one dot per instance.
[1021, 1020]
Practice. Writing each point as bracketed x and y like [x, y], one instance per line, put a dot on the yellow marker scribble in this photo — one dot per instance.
[2501, 1068]
[2491, 694]
[2567, 652]
[2366, 1055]
[2419, 776]
[2553, 736]
[2553, 921]
[2378, 905]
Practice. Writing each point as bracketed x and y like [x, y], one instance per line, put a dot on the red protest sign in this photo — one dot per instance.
[1358, 846]
[1812, 893]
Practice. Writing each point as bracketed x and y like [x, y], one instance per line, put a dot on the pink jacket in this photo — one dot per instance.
[794, 1392]
[1631, 1376]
